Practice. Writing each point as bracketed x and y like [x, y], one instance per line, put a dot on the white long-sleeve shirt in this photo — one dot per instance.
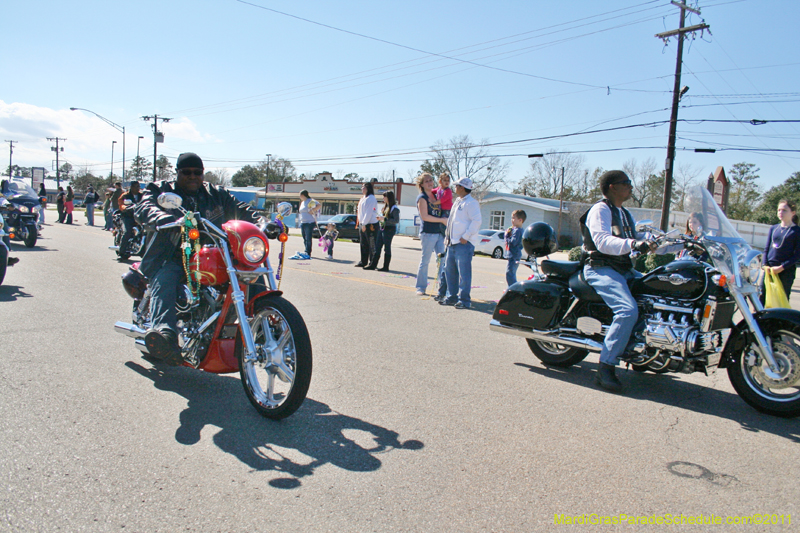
[465, 220]
[368, 210]
[598, 220]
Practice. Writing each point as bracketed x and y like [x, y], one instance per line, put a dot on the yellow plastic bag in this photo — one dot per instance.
[775, 295]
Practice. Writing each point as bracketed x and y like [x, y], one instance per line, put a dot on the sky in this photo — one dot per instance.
[370, 86]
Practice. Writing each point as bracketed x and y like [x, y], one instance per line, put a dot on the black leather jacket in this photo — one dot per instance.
[213, 203]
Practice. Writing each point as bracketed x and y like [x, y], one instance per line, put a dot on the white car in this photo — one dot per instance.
[492, 243]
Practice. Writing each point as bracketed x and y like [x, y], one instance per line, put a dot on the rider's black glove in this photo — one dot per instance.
[641, 246]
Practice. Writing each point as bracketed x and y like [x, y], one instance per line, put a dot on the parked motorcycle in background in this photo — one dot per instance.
[136, 243]
[686, 313]
[231, 314]
[21, 212]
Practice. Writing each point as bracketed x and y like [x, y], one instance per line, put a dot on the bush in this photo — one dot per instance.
[648, 262]
[574, 254]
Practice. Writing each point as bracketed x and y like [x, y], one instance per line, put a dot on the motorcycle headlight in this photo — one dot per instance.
[751, 266]
[254, 250]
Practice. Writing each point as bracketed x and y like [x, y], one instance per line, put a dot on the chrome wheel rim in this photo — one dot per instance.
[271, 373]
[781, 386]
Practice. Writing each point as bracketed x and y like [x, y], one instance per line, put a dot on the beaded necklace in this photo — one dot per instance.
[190, 242]
[783, 238]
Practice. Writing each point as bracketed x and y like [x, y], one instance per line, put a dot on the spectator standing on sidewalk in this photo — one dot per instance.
[89, 200]
[69, 205]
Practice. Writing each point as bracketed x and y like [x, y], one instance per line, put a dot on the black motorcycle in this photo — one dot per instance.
[686, 313]
[135, 244]
[21, 212]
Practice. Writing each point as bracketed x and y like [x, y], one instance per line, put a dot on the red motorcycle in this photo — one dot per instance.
[231, 314]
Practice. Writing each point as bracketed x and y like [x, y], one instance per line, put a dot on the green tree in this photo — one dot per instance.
[744, 192]
[164, 170]
[766, 213]
[279, 170]
[248, 176]
[141, 169]
[83, 179]
[22, 172]
[65, 172]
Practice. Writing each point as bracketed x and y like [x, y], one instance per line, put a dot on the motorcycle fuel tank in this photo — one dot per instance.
[210, 265]
[679, 279]
[532, 304]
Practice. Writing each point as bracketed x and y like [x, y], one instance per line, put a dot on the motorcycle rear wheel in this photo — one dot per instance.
[777, 395]
[553, 354]
[276, 381]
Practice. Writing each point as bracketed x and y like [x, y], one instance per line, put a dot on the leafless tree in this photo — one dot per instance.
[219, 176]
[463, 158]
[544, 177]
[685, 178]
[641, 176]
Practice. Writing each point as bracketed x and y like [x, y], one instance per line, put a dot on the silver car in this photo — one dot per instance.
[492, 242]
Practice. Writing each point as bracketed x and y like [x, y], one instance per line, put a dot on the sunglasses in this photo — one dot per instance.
[189, 172]
[622, 183]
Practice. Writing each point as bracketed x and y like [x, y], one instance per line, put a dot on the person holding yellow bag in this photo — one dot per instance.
[783, 249]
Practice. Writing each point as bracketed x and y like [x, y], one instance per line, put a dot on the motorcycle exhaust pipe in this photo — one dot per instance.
[115, 248]
[130, 330]
[566, 340]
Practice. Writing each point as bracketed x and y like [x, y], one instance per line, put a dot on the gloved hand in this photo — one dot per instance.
[641, 246]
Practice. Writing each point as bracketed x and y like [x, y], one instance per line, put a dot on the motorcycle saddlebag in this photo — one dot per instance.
[533, 304]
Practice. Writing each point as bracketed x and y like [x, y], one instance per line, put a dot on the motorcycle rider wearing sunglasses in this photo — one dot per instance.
[609, 236]
[162, 262]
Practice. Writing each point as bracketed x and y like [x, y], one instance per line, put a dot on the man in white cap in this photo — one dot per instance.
[459, 240]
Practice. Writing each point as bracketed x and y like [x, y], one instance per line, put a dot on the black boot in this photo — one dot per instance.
[607, 378]
[163, 345]
[386, 260]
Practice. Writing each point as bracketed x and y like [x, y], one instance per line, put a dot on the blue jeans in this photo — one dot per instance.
[612, 287]
[164, 287]
[90, 214]
[511, 270]
[431, 243]
[458, 272]
[306, 229]
[384, 240]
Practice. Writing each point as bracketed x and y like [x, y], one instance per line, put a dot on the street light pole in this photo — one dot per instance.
[113, 125]
[138, 161]
[157, 137]
[112, 160]
[266, 180]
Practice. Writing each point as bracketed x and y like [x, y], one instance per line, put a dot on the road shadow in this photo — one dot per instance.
[293, 448]
[667, 389]
[9, 293]
[19, 247]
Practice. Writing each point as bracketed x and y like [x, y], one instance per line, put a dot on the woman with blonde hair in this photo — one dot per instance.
[433, 227]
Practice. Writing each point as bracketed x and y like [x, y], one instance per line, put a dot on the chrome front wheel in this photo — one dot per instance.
[771, 392]
[276, 378]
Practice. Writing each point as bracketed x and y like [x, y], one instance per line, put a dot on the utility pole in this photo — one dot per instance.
[158, 137]
[10, 154]
[676, 96]
[266, 182]
[138, 161]
[56, 150]
[560, 203]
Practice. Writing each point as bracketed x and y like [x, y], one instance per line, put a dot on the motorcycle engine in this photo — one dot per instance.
[672, 332]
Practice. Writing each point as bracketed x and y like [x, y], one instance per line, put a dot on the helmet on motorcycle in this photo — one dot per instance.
[134, 283]
[539, 240]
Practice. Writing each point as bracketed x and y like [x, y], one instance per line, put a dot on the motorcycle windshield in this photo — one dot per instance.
[716, 225]
[20, 189]
[727, 249]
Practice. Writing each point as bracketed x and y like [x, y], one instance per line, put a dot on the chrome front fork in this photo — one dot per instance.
[764, 345]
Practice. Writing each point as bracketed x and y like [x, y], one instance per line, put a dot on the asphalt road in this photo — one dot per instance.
[418, 418]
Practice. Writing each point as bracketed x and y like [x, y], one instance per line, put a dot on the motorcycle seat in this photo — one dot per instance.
[559, 269]
[581, 289]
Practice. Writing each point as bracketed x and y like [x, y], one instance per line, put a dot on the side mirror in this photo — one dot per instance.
[169, 200]
[643, 225]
